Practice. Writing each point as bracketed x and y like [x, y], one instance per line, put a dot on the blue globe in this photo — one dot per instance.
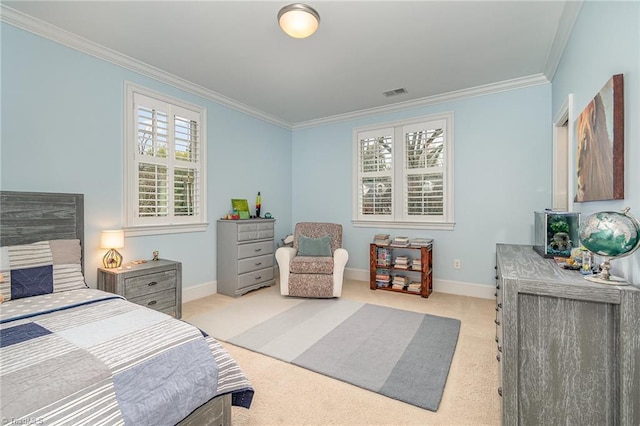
[610, 234]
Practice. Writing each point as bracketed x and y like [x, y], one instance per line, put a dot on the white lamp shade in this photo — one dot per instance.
[112, 239]
[298, 21]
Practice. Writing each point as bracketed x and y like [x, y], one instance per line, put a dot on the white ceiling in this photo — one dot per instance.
[235, 49]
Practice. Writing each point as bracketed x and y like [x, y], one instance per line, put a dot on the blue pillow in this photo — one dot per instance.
[314, 246]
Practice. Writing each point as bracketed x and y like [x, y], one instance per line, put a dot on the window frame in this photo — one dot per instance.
[171, 224]
[398, 218]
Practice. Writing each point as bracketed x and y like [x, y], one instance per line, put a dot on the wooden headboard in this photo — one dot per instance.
[27, 217]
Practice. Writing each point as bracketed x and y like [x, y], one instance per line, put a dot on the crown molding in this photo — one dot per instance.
[73, 41]
[568, 19]
[516, 83]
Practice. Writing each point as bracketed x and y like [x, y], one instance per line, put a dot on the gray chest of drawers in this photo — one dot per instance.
[568, 349]
[154, 284]
[244, 255]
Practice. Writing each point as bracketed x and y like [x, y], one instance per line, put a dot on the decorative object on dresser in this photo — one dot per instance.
[156, 285]
[406, 269]
[568, 348]
[610, 235]
[245, 255]
[112, 240]
[314, 266]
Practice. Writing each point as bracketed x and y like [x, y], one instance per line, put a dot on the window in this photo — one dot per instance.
[165, 153]
[403, 174]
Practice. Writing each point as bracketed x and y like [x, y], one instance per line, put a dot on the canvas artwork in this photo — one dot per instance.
[600, 144]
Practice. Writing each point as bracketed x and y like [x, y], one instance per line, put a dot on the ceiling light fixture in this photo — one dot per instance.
[298, 20]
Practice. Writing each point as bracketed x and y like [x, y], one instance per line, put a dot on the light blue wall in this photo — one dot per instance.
[62, 131]
[502, 175]
[606, 41]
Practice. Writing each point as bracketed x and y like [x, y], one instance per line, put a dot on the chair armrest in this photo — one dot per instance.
[283, 257]
[340, 258]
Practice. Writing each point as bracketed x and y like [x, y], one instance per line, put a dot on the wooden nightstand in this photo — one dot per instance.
[156, 284]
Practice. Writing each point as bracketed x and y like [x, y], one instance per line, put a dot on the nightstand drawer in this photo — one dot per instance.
[159, 301]
[150, 283]
[254, 263]
[254, 278]
[255, 249]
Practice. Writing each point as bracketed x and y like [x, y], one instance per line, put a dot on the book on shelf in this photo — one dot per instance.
[400, 242]
[381, 239]
[401, 262]
[416, 264]
[420, 242]
[383, 256]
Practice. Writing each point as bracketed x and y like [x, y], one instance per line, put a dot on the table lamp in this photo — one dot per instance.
[112, 240]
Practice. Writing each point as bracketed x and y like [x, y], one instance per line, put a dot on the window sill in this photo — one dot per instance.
[138, 231]
[440, 226]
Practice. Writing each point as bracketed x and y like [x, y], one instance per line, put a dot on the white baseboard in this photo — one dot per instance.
[199, 291]
[441, 286]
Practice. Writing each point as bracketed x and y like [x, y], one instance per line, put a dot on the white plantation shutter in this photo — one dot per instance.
[404, 174]
[375, 158]
[424, 168]
[165, 177]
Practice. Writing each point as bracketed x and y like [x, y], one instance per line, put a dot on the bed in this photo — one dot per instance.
[74, 355]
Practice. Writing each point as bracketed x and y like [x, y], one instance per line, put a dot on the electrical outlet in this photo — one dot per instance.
[457, 264]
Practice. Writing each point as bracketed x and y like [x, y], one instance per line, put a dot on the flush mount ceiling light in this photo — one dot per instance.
[298, 20]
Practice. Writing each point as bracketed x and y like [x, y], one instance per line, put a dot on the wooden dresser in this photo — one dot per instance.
[245, 255]
[568, 349]
[156, 284]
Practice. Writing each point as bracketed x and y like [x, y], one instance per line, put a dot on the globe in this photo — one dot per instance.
[610, 235]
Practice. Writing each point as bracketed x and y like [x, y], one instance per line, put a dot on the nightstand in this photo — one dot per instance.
[156, 284]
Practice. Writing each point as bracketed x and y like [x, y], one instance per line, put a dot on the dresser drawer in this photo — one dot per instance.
[255, 231]
[159, 301]
[252, 278]
[255, 249]
[150, 283]
[255, 263]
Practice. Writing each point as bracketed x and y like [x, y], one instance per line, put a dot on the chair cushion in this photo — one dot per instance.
[314, 246]
[311, 265]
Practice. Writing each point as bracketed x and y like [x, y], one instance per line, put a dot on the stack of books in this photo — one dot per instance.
[416, 265]
[402, 262]
[421, 242]
[383, 257]
[414, 287]
[382, 277]
[399, 282]
[381, 239]
[400, 242]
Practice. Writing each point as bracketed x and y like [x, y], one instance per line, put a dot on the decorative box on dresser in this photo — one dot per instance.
[156, 284]
[568, 349]
[245, 255]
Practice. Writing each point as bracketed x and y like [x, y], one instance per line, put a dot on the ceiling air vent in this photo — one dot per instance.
[395, 92]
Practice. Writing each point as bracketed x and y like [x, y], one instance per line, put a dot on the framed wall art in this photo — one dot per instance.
[600, 145]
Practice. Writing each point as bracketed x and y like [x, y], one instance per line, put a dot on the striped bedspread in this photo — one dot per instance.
[90, 357]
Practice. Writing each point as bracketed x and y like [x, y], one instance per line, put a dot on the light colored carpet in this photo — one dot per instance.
[402, 354]
[291, 395]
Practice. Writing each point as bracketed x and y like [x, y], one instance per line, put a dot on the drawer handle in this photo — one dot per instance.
[259, 263]
[497, 309]
[258, 249]
[496, 277]
[500, 391]
[500, 305]
[152, 283]
[495, 294]
[259, 277]
[498, 287]
[153, 302]
[497, 339]
[499, 348]
[498, 357]
[496, 321]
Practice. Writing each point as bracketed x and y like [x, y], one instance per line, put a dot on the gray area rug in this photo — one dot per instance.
[400, 354]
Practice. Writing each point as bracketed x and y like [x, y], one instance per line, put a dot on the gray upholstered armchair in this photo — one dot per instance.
[314, 266]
